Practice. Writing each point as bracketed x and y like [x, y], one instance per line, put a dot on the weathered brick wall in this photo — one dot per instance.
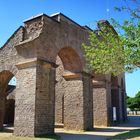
[100, 106]
[45, 99]
[25, 102]
[88, 101]
[8, 54]
[73, 105]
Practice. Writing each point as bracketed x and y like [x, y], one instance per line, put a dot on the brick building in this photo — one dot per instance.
[46, 57]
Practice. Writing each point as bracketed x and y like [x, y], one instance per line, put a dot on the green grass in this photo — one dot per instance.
[48, 137]
[127, 135]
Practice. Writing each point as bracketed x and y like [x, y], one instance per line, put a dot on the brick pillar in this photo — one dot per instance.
[101, 103]
[45, 99]
[78, 104]
[34, 106]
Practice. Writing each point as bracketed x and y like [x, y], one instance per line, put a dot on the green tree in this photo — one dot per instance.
[134, 103]
[104, 52]
[109, 52]
[137, 101]
[130, 103]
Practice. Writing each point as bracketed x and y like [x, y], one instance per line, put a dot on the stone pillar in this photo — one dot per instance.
[101, 103]
[45, 99]
[34, 106]
[78, 104]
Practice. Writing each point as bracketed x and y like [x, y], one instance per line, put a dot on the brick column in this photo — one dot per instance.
[45, 98]
[101, 103]
[78, 104]
[34, 106]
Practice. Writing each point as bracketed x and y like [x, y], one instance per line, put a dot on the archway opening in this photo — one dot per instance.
[69, 66]
[115, 99]
[70, 59]
[123, 97]
[7, 88]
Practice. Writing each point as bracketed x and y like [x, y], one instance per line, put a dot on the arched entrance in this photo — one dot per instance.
[7, 100]
[73, 93]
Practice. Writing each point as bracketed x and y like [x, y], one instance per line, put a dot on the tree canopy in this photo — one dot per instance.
[134, 102]
[114, 52]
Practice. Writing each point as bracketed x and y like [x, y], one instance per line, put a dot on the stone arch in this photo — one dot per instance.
[5, 77]
[70, 59]
[9, 68]
[70, 89]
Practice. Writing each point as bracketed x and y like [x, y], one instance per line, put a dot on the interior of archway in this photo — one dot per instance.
[8, 85]
[59, 95]
[70, 59]
[123, 96]
[115, 99]
[69, 65]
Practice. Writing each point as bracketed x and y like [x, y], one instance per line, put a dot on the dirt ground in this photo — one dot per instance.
[95, 134]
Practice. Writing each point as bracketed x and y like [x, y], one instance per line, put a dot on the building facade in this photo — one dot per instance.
[46, 57]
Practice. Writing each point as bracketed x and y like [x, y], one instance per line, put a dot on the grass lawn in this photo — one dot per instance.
[10, 137]
[127, 135]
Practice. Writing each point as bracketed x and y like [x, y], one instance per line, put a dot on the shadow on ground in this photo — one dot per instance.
[103, 133]
[97, 133]
[69, 136]
[133, 121]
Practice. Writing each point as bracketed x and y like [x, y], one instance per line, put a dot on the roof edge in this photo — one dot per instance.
[3, 46]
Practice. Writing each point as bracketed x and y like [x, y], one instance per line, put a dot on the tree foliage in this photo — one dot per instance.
[109, 52]
[134, 102]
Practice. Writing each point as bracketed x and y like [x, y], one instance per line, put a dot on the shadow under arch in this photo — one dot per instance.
[123, 97]
[7, 102]
[71, 60]
[114, 81]
[71, 86]
[115, 99]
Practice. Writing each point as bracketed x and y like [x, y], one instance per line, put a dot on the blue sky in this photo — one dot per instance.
[85, 12]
